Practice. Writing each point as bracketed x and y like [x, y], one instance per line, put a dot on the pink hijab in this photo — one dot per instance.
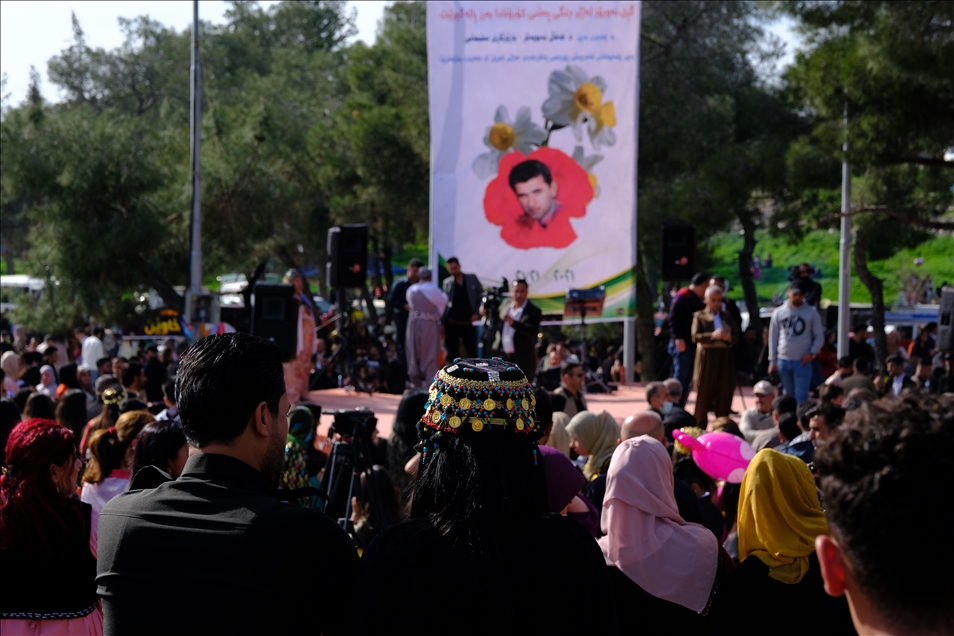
[645, 536]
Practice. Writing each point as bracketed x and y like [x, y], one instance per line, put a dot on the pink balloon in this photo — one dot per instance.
[719, 455]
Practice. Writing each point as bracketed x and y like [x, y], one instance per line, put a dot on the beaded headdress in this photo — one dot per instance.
[114, 395]
[475, 396]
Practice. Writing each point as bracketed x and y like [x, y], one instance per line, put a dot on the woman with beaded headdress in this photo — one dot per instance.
[476, 554]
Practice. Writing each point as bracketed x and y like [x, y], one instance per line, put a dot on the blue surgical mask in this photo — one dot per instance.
[667, 408]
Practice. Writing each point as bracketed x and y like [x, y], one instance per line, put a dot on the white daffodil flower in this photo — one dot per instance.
[576, 100]
[587, 163]
[506, 135]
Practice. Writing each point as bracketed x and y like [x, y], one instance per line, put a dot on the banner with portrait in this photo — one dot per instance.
[534, 121]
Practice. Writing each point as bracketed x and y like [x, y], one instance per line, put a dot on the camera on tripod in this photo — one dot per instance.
[357, 424]
[350, 456]
[491, 299]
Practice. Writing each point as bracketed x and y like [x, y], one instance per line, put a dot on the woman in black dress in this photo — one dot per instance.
[480, 554]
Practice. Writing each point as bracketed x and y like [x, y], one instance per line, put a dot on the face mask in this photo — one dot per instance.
[667, 408]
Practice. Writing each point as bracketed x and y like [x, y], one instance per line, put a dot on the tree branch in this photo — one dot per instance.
[934, 225]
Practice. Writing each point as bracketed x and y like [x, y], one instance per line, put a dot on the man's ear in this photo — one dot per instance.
[554, 187]
[262, 419]
[832, 563]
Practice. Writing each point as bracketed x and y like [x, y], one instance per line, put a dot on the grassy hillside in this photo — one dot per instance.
[821, 249]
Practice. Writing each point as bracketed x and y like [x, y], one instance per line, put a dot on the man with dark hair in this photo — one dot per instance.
[133, 380]
[845, 371]
[824, 418]
[464, 293]
[397, 303]
[155, 373]
[892, 384]
[685, 303]
[218, 536]
[858, 346]
[521, 323]
[104, 366]
[881, 478]
[924, 376]
[788, 432]
[571, 387]
[859, 379]
[813, 290]
[171, 412]
[796, 336]
[536, 191]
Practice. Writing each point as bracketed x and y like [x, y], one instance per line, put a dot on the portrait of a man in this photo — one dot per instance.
[533, 197]
[536, 191]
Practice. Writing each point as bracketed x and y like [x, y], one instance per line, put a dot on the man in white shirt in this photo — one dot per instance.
[521, 322]
[92, 348]
[845, 370]
[759, 417]
[426, 304]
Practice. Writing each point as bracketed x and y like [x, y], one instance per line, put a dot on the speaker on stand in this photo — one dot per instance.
[678, 253]
[275, 316]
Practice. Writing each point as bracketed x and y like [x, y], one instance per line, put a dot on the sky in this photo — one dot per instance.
[33, 32]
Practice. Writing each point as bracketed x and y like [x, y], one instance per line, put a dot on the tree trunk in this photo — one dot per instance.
[376, 259]
[9, 261]
[250, 288]
[876, 288]
[645, 325]
[745, 275]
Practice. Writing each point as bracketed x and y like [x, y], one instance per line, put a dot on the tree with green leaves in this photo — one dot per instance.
[879, 74]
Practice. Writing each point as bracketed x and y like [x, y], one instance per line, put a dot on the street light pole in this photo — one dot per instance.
[844, 264]
[195, 269]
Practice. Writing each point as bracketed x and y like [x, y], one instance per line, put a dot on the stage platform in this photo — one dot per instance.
[624, 401]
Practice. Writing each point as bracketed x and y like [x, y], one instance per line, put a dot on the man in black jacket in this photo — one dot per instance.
[464, 292]
[685, 303]
[219, 539]
[521, 323]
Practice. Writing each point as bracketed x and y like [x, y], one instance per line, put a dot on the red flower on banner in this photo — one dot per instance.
[533, 197]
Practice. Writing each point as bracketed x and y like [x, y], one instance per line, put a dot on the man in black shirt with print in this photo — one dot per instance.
[217, 551]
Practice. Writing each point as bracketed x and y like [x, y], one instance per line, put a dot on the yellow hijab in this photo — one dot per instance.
[599, 433]
[779, 515]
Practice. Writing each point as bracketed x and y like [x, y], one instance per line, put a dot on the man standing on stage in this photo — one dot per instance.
[426, 304]
[397, 302]
[685, 303]
[463, 292]
[521, 322]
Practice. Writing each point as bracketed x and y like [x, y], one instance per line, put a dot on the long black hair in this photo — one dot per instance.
[158, 444]
[476, 489]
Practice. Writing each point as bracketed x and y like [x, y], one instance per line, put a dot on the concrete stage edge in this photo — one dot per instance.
[626, 400]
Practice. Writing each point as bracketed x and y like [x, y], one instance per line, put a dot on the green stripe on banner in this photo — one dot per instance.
[620, 297]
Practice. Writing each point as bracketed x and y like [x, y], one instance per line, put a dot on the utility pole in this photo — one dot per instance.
[844, 262]
[195, 269]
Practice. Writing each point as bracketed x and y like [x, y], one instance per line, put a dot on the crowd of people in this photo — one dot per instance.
[200, 471]
[491, 495]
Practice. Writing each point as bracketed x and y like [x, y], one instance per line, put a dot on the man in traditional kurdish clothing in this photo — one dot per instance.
[713, 332]
[426, 304]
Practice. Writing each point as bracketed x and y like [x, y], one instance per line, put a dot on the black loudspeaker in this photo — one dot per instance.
[678, 251]
[347, 256]
[945, 321]
[275, 316]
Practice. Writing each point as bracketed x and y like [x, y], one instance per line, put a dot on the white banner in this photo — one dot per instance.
[534, 117]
